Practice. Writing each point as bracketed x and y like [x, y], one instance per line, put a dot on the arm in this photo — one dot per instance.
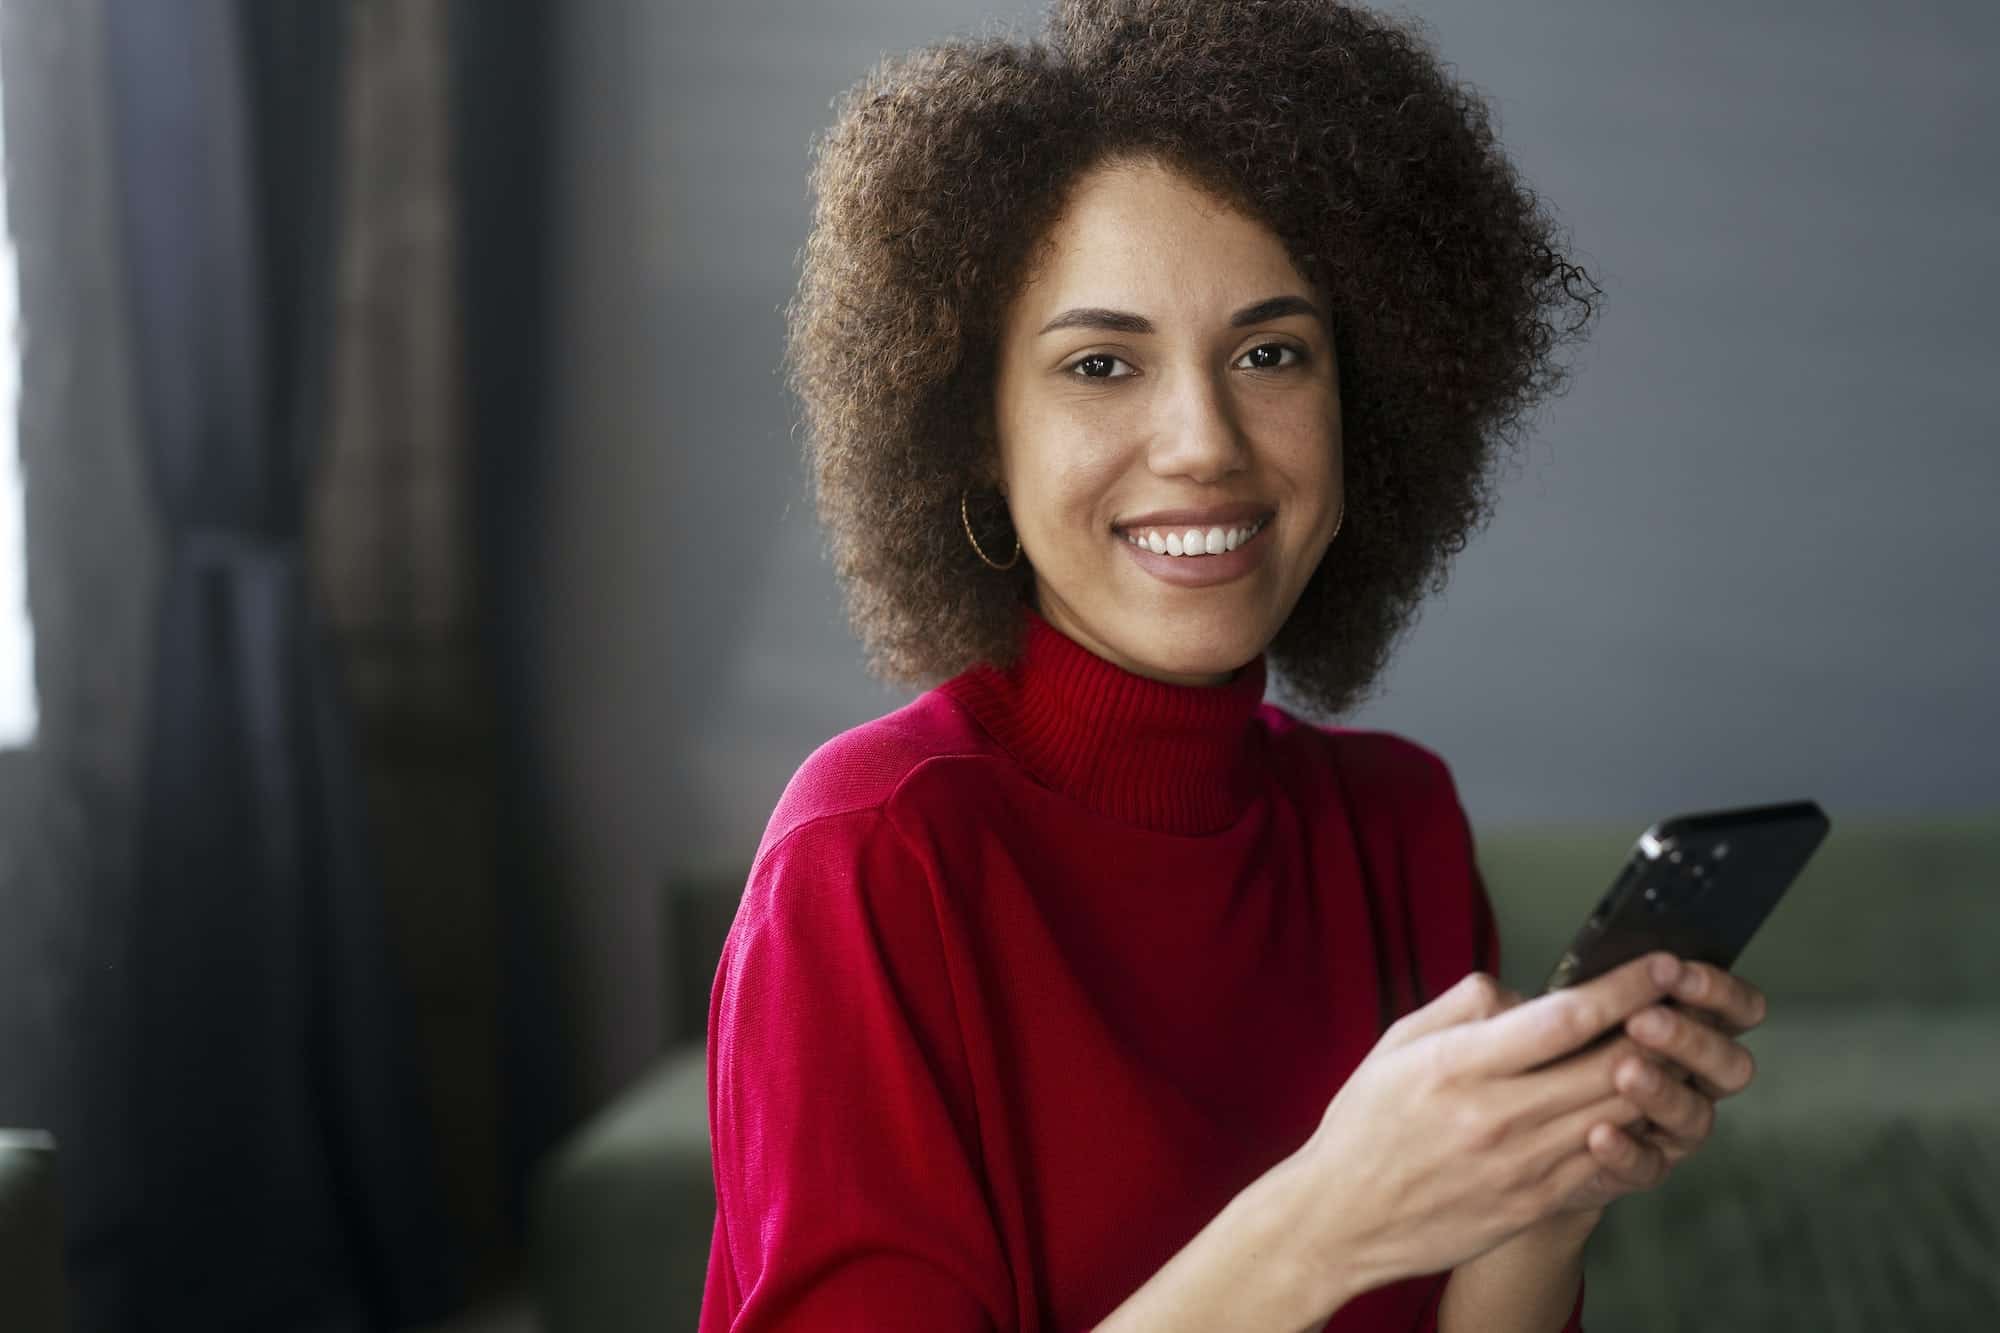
[848, 1178]
[1240, 1272]
[1532, 1283]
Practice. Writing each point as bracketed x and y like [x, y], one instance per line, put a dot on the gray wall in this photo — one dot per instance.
[1749, 557]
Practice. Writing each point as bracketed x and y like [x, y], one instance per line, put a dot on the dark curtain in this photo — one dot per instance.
[284, 1177]
[502, 68]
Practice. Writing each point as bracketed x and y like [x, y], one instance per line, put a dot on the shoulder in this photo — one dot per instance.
[850, 779]
[1375, 767]
[835, 884]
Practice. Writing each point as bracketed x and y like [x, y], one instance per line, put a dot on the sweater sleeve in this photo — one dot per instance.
[848, 1191]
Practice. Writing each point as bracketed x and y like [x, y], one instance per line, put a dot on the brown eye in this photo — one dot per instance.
[1267, 356]
[1096, 366]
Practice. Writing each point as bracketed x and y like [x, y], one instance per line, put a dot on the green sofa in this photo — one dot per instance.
[1856, 1186]
[33, 1295]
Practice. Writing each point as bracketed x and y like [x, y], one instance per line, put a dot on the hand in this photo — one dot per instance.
[1466, 1124]
[1686, 1065]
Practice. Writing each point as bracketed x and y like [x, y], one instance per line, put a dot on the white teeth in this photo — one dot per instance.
[1195, 541]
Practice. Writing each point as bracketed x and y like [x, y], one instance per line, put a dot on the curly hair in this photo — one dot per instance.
[1337, 128]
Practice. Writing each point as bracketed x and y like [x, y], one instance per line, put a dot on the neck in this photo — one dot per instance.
[1167, 756]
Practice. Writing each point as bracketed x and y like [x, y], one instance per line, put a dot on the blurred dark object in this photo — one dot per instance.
[1852, 1186]
[502, 79]
[286, 1177]
[391, 547]
[32, 1298]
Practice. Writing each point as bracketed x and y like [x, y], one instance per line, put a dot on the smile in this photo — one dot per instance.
[1200, 555]
[1194, 542]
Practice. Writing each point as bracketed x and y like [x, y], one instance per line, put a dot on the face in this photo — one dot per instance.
[1167, 419]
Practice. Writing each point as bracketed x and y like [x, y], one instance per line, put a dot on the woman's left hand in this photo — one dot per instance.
[1691, 1060]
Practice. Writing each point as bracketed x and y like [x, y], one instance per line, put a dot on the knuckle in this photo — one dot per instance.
[1486, 993]
[1479, 1129]
[1577, 1018]
[1434, 1063]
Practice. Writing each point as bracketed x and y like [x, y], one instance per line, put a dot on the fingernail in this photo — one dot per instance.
[1665, 968]
[1690, 983]
[1652, 1023]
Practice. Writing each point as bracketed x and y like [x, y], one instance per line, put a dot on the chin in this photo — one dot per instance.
[1194, 650]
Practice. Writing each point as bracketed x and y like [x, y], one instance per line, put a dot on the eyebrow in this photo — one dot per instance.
[1123, 321]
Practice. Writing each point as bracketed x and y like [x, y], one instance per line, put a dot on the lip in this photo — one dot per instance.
[1214, 516]
[1207, 570]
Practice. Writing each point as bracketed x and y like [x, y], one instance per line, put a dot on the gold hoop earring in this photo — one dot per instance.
[1338, 521]
[966, 519]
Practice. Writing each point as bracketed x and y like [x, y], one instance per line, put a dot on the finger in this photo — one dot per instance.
[1704, 987]
[1578, 1170]
[1632, 1162]
[1476, 995]
[1721, 1067]
[1568, 1133]
[1672, 1106]
[1550, 1026]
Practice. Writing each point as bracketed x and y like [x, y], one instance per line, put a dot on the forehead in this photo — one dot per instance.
[1140, 236]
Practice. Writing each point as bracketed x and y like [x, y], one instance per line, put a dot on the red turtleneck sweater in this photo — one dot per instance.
[1035, 974]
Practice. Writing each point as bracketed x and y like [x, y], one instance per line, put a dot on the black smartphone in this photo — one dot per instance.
[1697, 886]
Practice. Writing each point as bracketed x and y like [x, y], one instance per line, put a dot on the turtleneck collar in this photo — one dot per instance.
[1171, 758]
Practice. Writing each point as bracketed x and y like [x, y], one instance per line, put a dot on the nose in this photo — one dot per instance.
[1197, 436]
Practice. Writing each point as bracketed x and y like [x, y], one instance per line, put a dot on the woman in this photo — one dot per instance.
[1089, 990]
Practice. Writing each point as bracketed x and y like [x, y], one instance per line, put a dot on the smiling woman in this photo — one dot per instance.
[951, 193]
[1157, 417]
[1089, 989]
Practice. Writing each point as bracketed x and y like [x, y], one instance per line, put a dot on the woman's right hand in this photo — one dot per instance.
[1466, 1123]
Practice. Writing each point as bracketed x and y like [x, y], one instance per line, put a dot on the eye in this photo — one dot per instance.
[1270, 362]
[1096, 366]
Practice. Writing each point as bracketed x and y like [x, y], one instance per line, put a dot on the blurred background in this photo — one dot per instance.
[411, 604]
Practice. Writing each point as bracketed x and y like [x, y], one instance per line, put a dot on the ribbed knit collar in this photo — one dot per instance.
[1171, 758]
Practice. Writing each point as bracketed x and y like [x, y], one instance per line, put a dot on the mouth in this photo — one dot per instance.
[1193, 541]
[1181, 551]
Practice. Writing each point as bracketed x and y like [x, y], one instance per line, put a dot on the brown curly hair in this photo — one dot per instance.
[1337, 128]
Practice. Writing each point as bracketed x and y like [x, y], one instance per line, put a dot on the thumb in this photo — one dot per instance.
[1476, 995]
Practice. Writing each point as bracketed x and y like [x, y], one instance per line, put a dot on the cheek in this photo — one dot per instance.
[1063, 481]
[1306, 449]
